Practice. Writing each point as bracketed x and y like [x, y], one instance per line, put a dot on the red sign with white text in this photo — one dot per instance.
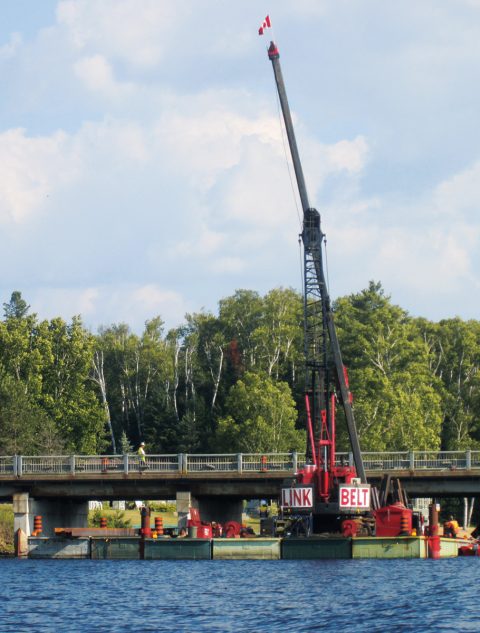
[355, 497]
[297, 497]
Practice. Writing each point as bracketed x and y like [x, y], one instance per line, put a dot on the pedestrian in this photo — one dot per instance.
[142, 460]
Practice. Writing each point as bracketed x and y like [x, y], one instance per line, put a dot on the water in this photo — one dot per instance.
[294, 596]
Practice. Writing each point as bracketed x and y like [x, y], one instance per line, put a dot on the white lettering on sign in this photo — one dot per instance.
[357, 497]
[297, 497]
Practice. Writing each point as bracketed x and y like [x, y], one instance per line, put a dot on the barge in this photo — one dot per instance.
[312, 548]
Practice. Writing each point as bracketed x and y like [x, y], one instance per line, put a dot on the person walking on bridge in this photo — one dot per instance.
[142, 460]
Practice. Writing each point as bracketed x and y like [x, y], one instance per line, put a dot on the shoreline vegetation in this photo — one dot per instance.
[234, 381]
[6, 530]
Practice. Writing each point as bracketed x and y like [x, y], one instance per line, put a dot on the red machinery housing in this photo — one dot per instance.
[393, 520]
[198, 528]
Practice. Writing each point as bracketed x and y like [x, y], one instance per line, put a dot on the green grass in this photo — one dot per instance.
[132, 518]
[129, 518]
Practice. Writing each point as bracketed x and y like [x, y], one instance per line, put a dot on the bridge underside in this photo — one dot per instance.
[434, 484]
[62, 501]
[61, 512]
[147, 486]
[235, 486]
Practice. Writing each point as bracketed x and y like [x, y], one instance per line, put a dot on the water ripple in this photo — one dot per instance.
[236, 596]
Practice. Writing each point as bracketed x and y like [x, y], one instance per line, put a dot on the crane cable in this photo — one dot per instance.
[282, 133]
[326, 263]
[292, 187]
[302, 275]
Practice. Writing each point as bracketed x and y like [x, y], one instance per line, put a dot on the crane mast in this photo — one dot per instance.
[326, 377]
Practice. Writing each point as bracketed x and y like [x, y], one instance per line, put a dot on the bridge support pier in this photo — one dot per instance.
[21, 505]
[218, 509]
[54, 513]
[185, 501]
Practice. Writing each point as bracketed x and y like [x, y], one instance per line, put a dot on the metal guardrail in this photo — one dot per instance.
[7, 465]
[20, 465]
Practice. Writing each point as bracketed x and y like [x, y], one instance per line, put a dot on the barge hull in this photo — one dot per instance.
[315, 548]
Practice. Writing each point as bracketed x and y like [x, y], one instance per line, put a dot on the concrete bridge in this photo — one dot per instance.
[59, 487]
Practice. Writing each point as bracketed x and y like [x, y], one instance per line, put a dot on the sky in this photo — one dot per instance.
[143, 169]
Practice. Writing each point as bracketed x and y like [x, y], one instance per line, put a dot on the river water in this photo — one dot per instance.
[295, 596]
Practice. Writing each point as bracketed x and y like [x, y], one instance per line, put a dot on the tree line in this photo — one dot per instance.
[233, 381]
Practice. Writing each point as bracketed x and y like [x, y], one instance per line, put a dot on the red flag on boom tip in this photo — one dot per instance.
[266, 24]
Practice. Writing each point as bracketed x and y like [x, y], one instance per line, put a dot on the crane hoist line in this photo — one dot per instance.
[323, 482]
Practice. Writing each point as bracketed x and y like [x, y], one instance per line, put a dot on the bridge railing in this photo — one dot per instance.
[206, 463]
[39, 465]
[386, 461]
[7, 465]
[475, 459]
[441, 460]
[415, 460]
[21, 465]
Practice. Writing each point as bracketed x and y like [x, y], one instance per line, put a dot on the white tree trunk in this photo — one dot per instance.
[99, 378]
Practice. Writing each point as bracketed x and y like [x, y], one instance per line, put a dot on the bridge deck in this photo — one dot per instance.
[429, 474]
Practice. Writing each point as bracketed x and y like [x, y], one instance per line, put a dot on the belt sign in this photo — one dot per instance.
[355, 497]
[297, 497]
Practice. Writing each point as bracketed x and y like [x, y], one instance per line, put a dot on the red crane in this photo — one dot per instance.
[324, 490]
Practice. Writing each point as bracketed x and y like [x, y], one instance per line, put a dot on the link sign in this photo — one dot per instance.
[354, 497]
[297, 497]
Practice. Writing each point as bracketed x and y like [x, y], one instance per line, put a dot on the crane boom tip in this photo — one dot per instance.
[273, 51]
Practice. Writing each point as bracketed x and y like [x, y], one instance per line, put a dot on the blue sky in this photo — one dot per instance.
[142, 170]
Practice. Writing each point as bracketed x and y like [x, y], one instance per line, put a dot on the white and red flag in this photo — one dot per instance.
[266, 24]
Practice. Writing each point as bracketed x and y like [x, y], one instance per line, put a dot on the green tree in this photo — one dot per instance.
[278, 334]
[68, 395]
[25, 428]
[139, 380]
[397, 402]
[17, 307]
[125, 446]
[455, 347]
[260, 417]
[240, 315]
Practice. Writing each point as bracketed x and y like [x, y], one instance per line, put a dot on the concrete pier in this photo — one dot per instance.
[54, 512]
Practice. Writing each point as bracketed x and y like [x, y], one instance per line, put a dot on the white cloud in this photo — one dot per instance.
[348, 156]
[34, 169]
[162, 180]
[227, 265]
[152, 300]
[241, 160]
[459, 194]
[122, 29]
[322, 161]
[129, 303]
[428, 246]
[97, 75]
[31, 168]
[205, 243]
[50, 302]
[204, 135]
